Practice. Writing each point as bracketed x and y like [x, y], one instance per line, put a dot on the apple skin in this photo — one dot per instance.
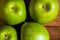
[34, 31]
[43, 11]
[14, 11]
[7, 33]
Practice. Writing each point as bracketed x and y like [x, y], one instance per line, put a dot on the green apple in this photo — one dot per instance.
[43, 11]
[14, 11]
[7, 33]
[34, 31]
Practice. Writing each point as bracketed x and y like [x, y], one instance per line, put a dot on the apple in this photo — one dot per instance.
[43, 11]
[7, 33]
[13, 11]
[34, 31]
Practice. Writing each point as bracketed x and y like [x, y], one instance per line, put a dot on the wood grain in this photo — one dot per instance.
[54, 32]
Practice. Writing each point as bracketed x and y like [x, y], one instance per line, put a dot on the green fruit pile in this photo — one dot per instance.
[16, 13]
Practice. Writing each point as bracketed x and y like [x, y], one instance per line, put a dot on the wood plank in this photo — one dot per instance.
[54, 32]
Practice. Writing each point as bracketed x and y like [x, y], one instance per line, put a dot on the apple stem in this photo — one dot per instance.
[14, 8]
[44, 7]
[6, 37]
